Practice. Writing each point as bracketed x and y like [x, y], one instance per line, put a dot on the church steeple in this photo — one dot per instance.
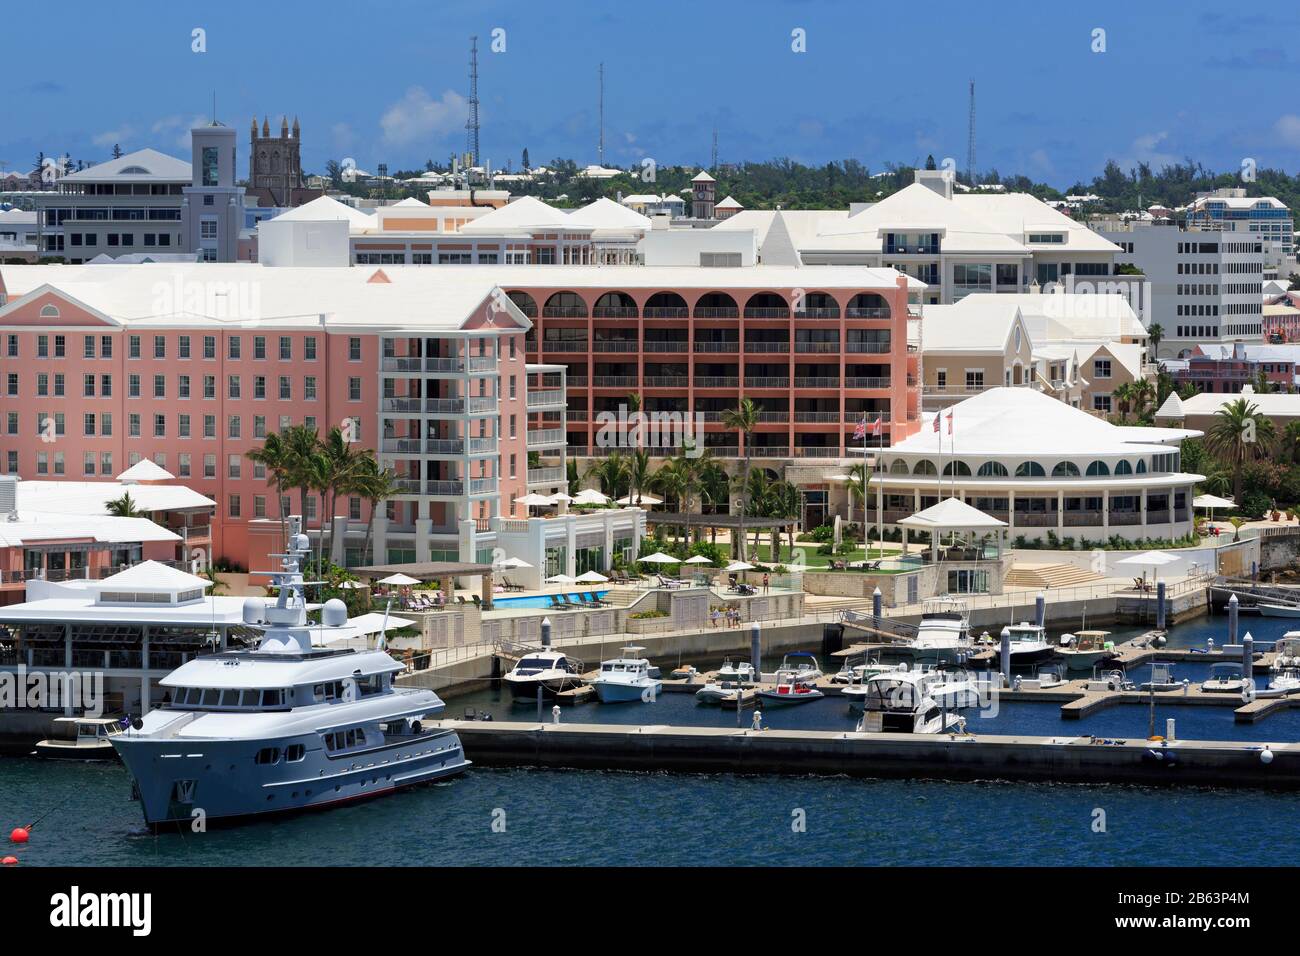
[266, 127]
[284, 127]
[296, 130]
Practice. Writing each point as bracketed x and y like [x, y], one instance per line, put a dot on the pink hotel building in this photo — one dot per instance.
[451, 381]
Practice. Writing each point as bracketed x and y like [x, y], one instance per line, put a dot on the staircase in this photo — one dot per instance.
[622, 597]
[1049, 576]
[860, 605]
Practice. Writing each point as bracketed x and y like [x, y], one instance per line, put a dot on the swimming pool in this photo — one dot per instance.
[539, 600]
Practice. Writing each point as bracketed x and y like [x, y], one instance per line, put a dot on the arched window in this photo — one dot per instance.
[924, 467]
[1065, 469]
[1142, 466]
[1098, 469]
[716, 305]
[1123, 468]
[526, 303]
[867, 305]
[665, 305]
[615, 305]
[992, 469]
[899, 467]
[767, 305]
[565, 305]
[49, 312]
[956, 468]
[817, 305]
[1030, 469]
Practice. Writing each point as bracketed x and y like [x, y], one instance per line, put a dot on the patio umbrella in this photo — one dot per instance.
[698, 559]
[738, 566]
[1150, 559]
[513, 564]
[591, 577]
[400, 580]
[560, 498]
[533, 499]
[561, 579]
[660, 558]
[645, 500]
[1211, 502]
[590, 496]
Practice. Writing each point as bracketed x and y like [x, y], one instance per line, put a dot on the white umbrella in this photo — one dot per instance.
[738, 566]
[512, 564]
[698, 559]
[645, 500]
[1151, 559]
[533, 499]
[590, 496]
[351, 585]
[399, 579]
[660, 558]
[591, 577]
[561, 579]
[559, 497]
[1213, 501]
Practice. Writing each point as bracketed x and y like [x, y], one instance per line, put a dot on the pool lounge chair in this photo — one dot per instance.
[555, 602]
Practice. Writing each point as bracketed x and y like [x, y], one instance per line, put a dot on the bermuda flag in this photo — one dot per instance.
[937, 416]
[878, 426]
[950, 423]
[861, 430]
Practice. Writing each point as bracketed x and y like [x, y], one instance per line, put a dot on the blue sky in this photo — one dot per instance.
[879, 82]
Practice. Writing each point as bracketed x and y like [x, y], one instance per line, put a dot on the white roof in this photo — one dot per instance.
[153, 576]
[1066, 316]
[1269, 404]
[1022, 421]
[524, 214]
[984, 325]
[728, 203]
[702, 177]
[145, 470]
[76, 602]
[952, 515]
[34, 527]
[145, 165]
[92, 497]
[1172, 407]
[607, 214]
[325, 209]
[1020, 213]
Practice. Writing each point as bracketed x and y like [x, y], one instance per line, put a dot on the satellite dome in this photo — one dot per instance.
[300, 542]
[334, 613]
[253, 608]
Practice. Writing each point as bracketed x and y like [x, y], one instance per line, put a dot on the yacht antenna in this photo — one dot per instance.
[382, 643]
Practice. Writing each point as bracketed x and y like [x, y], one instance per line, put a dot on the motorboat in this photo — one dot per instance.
[551, 671]
[915, 702]
[299, 722]
[802, 664]
[943, 636]
[741, 671]
[715, 692]
[1278, 610]
[687, 672]
[791, 688]
[1047, 677]
[80, 738]
[626, 678]
[1224, 679]
[1084, 650]
[852, 673]
[1028, 644]
[1286, 652]
[1106, 677]
[1162, 678]
[1284, 681]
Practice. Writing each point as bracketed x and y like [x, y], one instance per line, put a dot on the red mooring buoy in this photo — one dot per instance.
[20, 835]
[9, 861]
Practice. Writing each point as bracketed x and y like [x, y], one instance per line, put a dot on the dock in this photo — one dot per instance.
[1080, 759]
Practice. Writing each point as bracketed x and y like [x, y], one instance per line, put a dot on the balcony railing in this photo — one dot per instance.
[444, 487]
[717, 312]
[767, 348]
[1075, 519]
[817, 313]
[767, 381]
[666, 312]
[546, 397]
[873, 348]
[733, 346]
[716, 381]
[817, 417]
[770, 451]
[482, 486]
[865, 381]
[666, 345]
[482, 404]
[665, 381]
[821, 348]
[817, 451]
[766, 312]
[564, 345]
[614, 312]
[615, 381]
[817, 381]
[878, 312]
[481, 446]
[615, 345]
[444, 446]
[545, 476]
[564, 312]
[546, 436]
[772, 418]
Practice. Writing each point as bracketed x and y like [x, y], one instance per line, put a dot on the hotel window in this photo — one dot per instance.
[58, 384]
[133, 424]
[233, 389]
[209, 346]
[354, 349]
[309, 388]
[974, 379]
[106, 424]
[232, 466]
[209, 426]
[13, 346]
[88, 386]
[1101, 368]
[309, 348]
[159, 346]
[160, 426]
[941, 378]
[209, 466]
[160, 386]
[354, 509]
[259, 470]
[88, 464]
[286, 422]
[1008, 274]
[233, 427]
[133, 385]
[58, 423]
[259, 346]
[106, 346]
[42, 463]
[13, 384]
[105, 462]
[259, 386]
[310, 509]
[183, 386]
[42, 383]
[60, 344]
[184, 464]
[973, 275]
[13, 462]
[286, 388]
[259, 426]
[88, 347]
[42, 346]
[183, 426]
[233, 347]
[209, 386]
[207, 228]
[1101, 403]
[88, 424]
[354, 390]
[512, 426]
[234, 506]
[183, 346]
[310, 423]
[513, 387]
[286, 348]
[106, 386]
[512, 345]
[259, 506]
[11, 423]
[58, 463]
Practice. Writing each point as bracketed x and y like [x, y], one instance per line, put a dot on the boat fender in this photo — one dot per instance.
[1266, 756]
[9, 861]
[1016, 685]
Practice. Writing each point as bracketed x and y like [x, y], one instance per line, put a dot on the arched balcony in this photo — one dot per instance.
[665, 305]
[767, 305]
[615, 305]
[716, 305]
[867, 305]
[525, 302]
[565, 305]
[817, 305]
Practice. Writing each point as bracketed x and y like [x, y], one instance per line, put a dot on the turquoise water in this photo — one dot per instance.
[681, 819]
[540, 600]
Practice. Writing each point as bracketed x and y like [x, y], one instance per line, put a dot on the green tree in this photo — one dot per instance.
[272, 456]
[611, 472]
[124, 507]
[376, 485]
[1239, 434]
[1155, 333]
[742, 419]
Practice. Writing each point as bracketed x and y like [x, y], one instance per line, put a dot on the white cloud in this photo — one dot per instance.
[178, 128]
[110, 137]
[342, 137]
[416, 116]
[1287, 129]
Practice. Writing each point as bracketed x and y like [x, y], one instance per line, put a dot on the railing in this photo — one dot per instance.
[564, 345]
[545, 436]
[412, 446]
[403, 404]
[614, 312]
[482, 363]
[450, 406]
[817, 417]
[865, 381]
[543, 476]
[444, 446]
[817, 381]
[665, 312]
[1075, 519]
[717, 312]
[615, 381]
[872, 348]
[665, 381]
[723, 451]
[1157, 517]
[732, 346]
[482, 404]
[1125, 517]
[831, 313]
[615, 345]
[1030, 519]
[576, 381]
[767, 312]
[192, 532]
[816, 451]
[765, 381]
[444, 487]
[564, 312]
[878, 312]
[769, 418]
[716, 381]
[548, 396]
[820, 348]
[480, 446]
[402, 364]
[666, 345]
[482, 486]
[767, 347]
[770, 451]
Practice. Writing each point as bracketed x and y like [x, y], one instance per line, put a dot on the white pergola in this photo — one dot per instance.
[954, 515]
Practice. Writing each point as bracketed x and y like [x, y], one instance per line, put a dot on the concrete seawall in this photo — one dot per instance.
[712, 750]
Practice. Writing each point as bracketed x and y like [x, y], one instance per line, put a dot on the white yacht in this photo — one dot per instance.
[80, 738]
[1084, 650]
[626, 678]
[1287, 651]
[943, 636]
[1224, 678]
[914, 702]
[1029, 644]
[742, 671]
[550, 670]
[291, 725]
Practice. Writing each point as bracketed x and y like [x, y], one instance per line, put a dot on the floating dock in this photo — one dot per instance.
[956, 757]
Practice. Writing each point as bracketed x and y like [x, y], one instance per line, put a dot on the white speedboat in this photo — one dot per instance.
[626, 678]
[1029, 644]
[943, 636]
[291, 725]
[551, 671]
[802, 664]
[914, 702]
[1286, 652]
[1224, 679]
[1162, 678]
[857, 673]
[742, 671]
[1084, 650]
[1278, 610]
[715, 692]
[791, 688]
[80, 738]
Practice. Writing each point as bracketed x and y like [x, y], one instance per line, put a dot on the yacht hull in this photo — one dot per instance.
[180, 780]
[526, 688]
[611, 692]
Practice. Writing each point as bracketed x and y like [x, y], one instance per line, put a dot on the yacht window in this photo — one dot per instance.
[230, 698]
[294, 753]
[272, 698]
[268, 755]
[210, 696]
[251, 699]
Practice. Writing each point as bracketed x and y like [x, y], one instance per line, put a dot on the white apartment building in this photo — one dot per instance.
[1231, 210]
[1204, 287]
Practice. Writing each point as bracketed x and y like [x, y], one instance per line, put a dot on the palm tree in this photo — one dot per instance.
[858, 482]
[784, 500]
[376, 485]
[638, 473]
[1123, 396]
[755, 496]
[1144, 394]
[1288, 443]
[715, 487]
[336, 463]
[743, 419]
[1239, 434]
[1155, 333]
[301, 468]
[271, 456]
[679, 478]
[124, 507]
[612, 473]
